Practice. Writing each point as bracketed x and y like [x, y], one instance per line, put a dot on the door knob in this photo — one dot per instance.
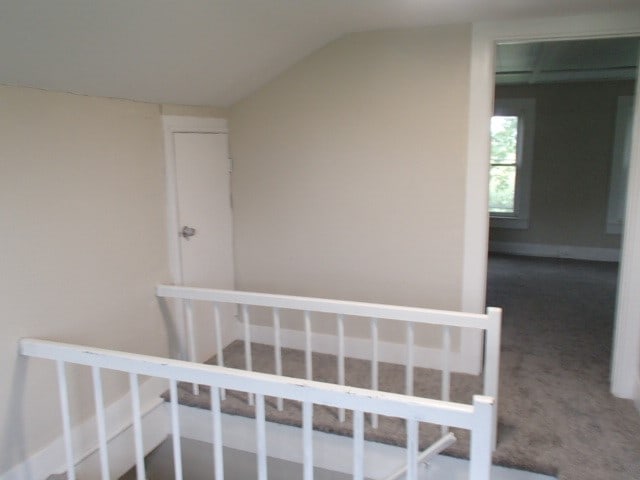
[188, 232]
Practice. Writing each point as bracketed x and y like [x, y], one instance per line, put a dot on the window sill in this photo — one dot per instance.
[614, 228]
[509, 222]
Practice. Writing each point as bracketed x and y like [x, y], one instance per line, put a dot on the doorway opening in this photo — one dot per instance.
[560, 149]
[559, 161]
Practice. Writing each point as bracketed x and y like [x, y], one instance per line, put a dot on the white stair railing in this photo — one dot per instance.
[406, 318]
[478, 417]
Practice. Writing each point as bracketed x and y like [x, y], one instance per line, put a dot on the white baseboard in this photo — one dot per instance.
[155, 426]
[556, 251]
[361, 348]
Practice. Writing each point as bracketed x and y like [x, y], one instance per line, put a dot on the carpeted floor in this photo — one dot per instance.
[555, 405]
[556, 415]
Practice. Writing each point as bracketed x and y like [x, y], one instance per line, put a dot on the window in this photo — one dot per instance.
[620, 165]
[510, 162]
[504, 164]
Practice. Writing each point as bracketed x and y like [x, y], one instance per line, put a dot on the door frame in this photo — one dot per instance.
[180, 124]
[485, 36]
[171, 125]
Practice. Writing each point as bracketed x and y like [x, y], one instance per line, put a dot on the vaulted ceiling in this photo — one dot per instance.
[209, 52]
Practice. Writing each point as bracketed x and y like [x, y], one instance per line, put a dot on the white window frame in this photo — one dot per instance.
[620, 165]
[525, 110]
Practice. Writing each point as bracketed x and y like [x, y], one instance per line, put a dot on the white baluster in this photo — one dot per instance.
[277, 350]
[137, 425]
[409, 364]
[340, 320]
[261, 438]
[66, 418]
[446, 369]
[412, 450]
[374, 364]
[307, 439]
[248, 362]
[218, 333]
[100, 420]
[175, 430]
[358, 445]
[191, 345]
[307, 346]
[216, 426]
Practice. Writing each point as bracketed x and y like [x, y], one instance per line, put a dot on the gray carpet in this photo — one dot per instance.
[555, 405]
[357, 374]
[556, 413]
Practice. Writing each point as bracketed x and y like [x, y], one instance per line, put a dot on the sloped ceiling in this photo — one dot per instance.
[209, 52]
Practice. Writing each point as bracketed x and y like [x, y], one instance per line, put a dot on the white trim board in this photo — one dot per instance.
[155, 426]
[360, 348]
[485, 36]
[626, 343]
[556, 251]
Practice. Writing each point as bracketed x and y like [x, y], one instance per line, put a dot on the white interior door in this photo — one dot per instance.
[205, 232]
[204, 206]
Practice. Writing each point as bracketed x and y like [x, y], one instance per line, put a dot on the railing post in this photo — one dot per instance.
[492, 362]
[482, 426]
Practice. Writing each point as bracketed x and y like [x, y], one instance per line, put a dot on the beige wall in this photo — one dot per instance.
[348, 183]
[572, 163]
[191, 111]
[349, 171]
[82, 223]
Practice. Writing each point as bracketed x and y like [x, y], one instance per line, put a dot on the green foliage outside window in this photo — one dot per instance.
[502, 174]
